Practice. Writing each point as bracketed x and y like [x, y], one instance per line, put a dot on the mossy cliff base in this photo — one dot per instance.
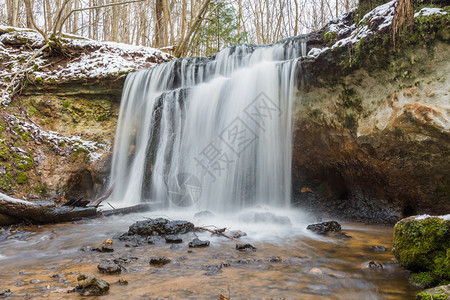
[437, 293]
[422, 245]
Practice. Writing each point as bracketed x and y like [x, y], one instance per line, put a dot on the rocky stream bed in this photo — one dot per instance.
[289, 261]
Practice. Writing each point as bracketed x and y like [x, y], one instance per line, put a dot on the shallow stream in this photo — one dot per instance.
[289, 263]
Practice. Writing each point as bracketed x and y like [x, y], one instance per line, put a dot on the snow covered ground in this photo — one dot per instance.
[89, 59]
[377, 20]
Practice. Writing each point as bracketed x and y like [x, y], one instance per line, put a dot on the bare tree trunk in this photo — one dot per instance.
[296, 18]
[322, 13]
[115, 24]
[125, 35]
[159, 25]
[13, 12]
[183, 45]
[182, 30]
[76, 5]
[29, 17]
[48, 16]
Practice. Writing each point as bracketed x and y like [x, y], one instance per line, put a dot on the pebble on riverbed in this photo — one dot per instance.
[378, 248]
[90, 285]
[316, 271]
[196, 243]
[103, 249]
[109, 267]
[159, 261]
[245, 247]
[5, 293]
[373, 265]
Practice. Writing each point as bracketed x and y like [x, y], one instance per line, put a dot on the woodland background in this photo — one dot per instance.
[183, 27]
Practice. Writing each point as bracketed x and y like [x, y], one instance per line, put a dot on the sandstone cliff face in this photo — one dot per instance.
[372, 140]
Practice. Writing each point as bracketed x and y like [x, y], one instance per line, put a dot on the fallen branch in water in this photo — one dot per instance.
[216, 232]
[99, 200]
[40, 213]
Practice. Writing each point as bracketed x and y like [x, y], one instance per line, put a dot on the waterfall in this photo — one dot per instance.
[209, 132]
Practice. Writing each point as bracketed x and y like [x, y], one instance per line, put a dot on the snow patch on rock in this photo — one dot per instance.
[71, 144]
[428, 11]
[91, 59]
[421, 217]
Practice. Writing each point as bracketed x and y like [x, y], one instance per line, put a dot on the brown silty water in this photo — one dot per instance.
[289, 263]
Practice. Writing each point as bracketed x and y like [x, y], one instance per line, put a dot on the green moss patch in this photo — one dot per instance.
[423, 246]
[437, 293]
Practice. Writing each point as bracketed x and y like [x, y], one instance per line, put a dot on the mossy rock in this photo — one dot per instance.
[422, 245]
[437, 293]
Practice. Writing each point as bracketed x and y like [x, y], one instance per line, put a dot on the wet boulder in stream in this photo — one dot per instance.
[173, 238]
[90, 285]
[109, 267]
[148, 227]
[178, 227]
[197, 243]
[245, 247]
[159, 261]
[160, 226]
[324, 227]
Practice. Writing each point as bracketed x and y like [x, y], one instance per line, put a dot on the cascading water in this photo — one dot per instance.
[210, 132]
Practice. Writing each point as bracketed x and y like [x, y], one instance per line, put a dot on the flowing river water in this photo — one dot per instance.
[289, 263]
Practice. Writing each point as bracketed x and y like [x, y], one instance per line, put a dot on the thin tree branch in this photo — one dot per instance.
[93, 7]
[22, 69]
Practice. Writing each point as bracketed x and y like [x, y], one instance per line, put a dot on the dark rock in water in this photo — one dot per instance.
[20, 283]
[133, 240]
[196, 243]
[109, 267]
[325, 227]
[90, 285]
[160, 226]
[215, 268]
[241, 261]
[123, 281]
[275, 259]
[237, 234]
[148, 227]
[103, 249]
[439, 292]
[379, 248]
[175, 239]
[154, 240]
[35, 281]
[203, 215]
[178, 227]
[5, 293]
[245, 247]
[124, 260]
[159, 261]
[374, 265]
[265, 217]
